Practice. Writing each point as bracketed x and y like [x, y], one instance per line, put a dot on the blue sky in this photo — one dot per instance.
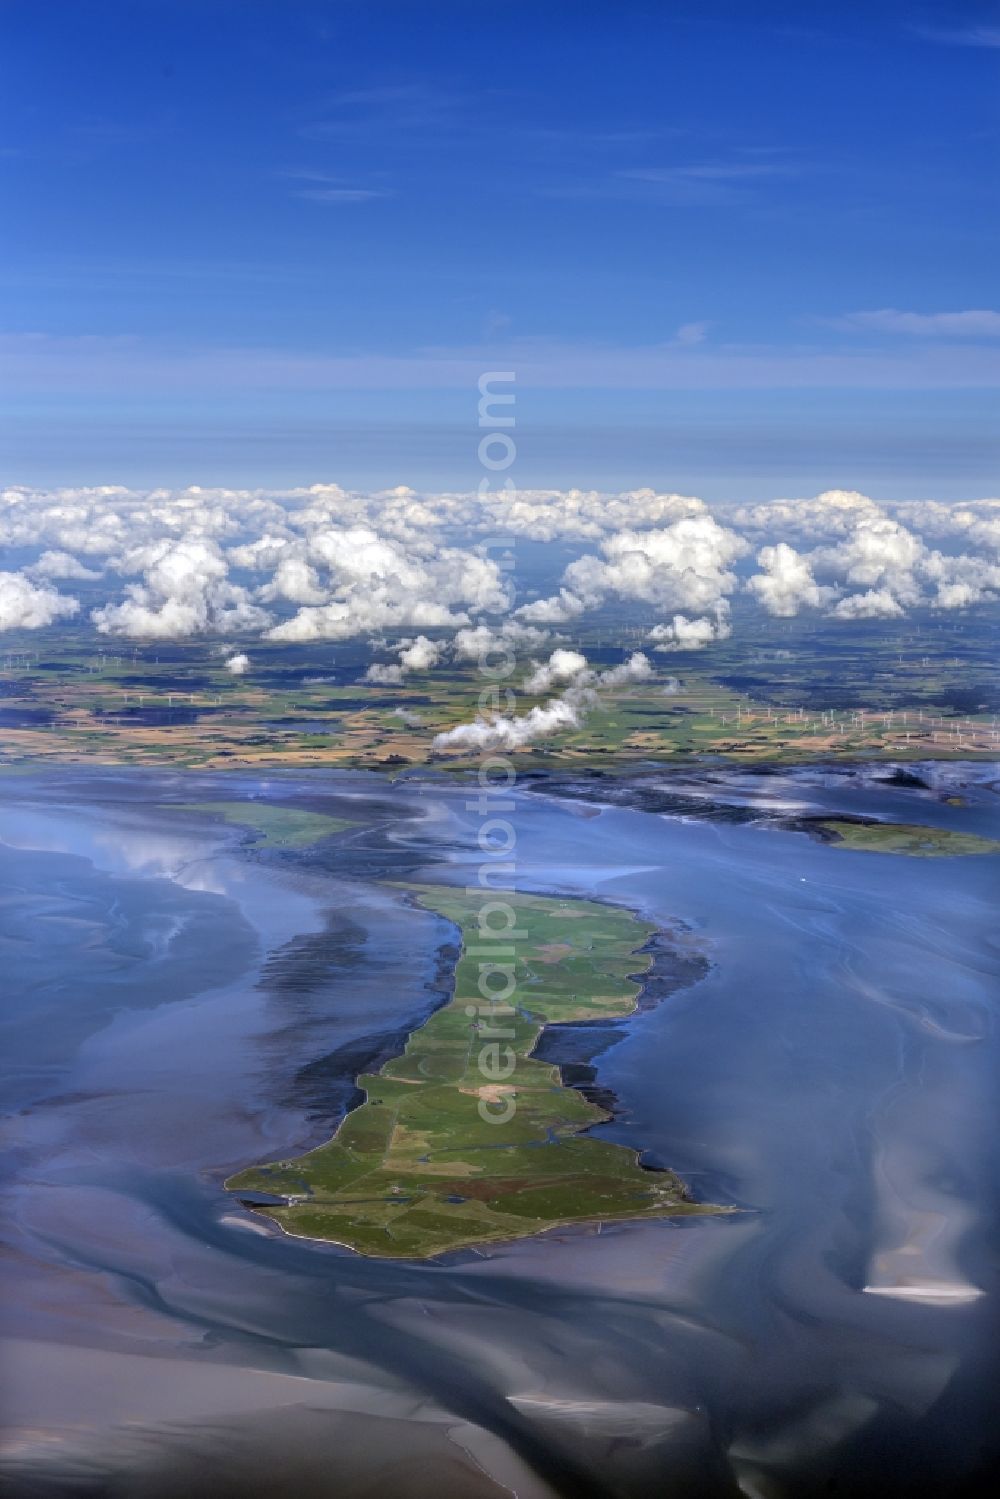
[722, 245]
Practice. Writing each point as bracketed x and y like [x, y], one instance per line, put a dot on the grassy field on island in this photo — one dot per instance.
[417, 1169]
[907, 838]
[287, 827]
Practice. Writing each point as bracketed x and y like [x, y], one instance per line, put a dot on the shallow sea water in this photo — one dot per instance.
[177, 1007]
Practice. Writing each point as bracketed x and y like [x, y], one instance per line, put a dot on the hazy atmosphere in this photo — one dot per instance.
[739, 253]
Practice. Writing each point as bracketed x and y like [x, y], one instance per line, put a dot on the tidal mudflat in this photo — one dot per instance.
[183, 1003]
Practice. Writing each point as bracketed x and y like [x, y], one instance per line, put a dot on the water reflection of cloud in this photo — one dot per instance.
[112, 845]
[155, 855]
[120, 847]
[924, 1215]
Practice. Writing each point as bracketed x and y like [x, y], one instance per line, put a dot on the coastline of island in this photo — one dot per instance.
[420, 1168]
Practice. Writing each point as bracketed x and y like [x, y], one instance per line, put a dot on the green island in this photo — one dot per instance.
[287, 827]
[907, 838]
[417, 1169]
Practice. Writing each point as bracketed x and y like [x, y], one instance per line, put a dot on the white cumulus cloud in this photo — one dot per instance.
[559, 670]
[786, 584]
[684, 566]
[185, 591]
[25, 605]
[875, 603]
[559, 715]
[419, 654]
[684, 634]
[384, 674]
[414, 655]
[60, 565]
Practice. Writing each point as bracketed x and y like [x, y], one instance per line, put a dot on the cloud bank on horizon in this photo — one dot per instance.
[326, 564]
